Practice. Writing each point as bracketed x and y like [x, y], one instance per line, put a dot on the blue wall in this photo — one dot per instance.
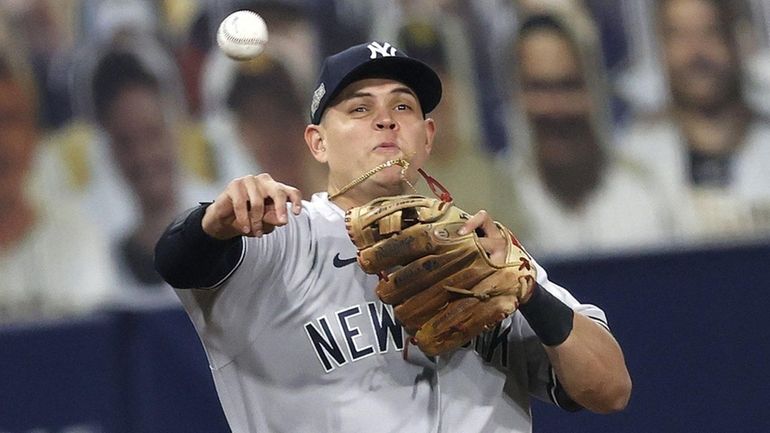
[695, 331]
[113, 373]
[693, 326]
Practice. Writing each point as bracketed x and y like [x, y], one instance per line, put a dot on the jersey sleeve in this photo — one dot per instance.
[186, 257]
[273, 258]
[231, 316]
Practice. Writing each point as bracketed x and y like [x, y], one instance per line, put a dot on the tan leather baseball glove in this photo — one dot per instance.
[443, 286]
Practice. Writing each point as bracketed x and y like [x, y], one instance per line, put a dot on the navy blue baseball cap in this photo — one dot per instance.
[374, 60]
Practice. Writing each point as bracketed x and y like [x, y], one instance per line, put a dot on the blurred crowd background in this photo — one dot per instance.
[591, 128]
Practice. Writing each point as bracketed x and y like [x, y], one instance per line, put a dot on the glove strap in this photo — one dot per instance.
[436, 187]
[550, 318]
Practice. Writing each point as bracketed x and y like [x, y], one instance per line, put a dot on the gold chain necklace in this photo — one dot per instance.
[404, 164]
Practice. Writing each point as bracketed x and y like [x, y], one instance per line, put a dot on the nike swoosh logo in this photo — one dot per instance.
[338, 262]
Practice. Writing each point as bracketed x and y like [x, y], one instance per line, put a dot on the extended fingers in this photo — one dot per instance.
[238, 195]
[269, 202]
[259, 203]
[490, 237]
[277, 195]
[481, 220]
[251, 206]
[295, 197]
[255, 205]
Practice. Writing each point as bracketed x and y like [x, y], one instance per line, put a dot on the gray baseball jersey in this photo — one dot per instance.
[298, 342]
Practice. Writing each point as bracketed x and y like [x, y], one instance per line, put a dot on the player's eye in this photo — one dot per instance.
[403, 107]
[359, 109]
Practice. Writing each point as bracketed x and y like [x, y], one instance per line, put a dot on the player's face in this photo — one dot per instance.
[701, 65]
[556, 98]
[143, 145]
[373, 121]
[18, 136]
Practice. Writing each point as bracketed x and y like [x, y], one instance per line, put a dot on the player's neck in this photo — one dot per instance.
[350, 200]
[362, 194]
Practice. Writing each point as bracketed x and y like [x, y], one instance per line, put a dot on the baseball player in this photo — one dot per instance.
[295, 335]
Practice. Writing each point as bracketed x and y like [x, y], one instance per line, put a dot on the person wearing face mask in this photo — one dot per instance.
[574, 193]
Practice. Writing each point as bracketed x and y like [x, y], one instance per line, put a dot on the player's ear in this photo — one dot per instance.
[314, 137]
[430, 132]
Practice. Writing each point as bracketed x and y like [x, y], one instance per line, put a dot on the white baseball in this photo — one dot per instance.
[242, 35]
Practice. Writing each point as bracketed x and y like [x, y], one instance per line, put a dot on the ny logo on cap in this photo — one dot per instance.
[376, 49]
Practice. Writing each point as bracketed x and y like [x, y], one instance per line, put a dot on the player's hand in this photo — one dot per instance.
[250, 206]
[490, 236]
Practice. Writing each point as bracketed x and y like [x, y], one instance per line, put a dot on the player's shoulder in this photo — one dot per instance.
[320, 207]
[317, 216]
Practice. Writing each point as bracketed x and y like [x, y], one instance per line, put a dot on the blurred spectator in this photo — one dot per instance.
[572, 191]
[293, 40]
[45, 27]
[457, 149]
[128, 25]
[294, 37]
[256, 122]
[488, 26]
[710, 148]
[132, 26]
[52, 260]
[143, 150]
[191, 55]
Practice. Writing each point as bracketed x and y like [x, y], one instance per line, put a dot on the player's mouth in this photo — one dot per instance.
[387, 148]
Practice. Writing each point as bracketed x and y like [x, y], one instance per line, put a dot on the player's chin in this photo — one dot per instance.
[389, 174]
[390, 185]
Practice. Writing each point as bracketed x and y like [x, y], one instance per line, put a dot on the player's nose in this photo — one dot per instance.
[383, 119]
[386, 123]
